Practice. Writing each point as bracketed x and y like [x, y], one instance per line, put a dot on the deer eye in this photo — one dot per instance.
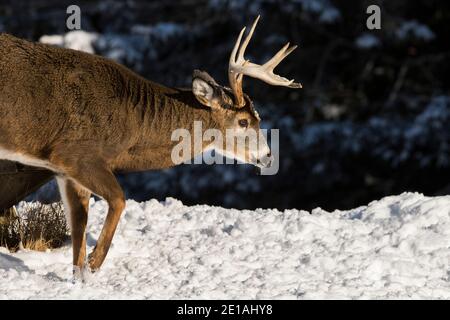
[243, 123]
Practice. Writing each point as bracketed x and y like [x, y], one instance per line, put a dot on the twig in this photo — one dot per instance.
[398, 83]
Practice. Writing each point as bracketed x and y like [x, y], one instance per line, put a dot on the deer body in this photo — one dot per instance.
[95, 106]
[85, 117]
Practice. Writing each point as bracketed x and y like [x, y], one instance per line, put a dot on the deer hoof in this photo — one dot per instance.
[94, 262]
[80, 274]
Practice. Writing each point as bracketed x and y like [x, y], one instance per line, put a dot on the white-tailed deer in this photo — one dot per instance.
[85, 117]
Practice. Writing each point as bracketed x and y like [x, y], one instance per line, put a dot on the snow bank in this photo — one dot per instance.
[76, 40]
[397, 247]
[414, 29]
[367, 41]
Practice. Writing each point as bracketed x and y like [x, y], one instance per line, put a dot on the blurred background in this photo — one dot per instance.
[373, 118]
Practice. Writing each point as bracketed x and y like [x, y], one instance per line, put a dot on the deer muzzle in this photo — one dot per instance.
[265, 161]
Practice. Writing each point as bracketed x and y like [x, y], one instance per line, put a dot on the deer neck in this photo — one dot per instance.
[159, 111]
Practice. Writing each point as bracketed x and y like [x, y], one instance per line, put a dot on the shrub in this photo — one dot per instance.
[34, 226]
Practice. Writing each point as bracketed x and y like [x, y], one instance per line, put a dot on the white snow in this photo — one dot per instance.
[414, 29]
[397, 247]
[367, 41]
[161, 30]
[76, 40]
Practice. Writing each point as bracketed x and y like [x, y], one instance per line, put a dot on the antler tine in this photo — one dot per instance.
[247, 40]
[236, 47]
[235, 78]
[279, 56]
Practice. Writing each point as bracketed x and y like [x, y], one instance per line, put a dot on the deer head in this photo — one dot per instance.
[233, 110]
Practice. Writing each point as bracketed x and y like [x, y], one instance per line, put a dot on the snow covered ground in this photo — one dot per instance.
[397, 247]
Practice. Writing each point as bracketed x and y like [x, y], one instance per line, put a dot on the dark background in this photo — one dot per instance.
[372, 120]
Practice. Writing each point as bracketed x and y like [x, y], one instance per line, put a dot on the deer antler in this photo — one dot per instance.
[238, 67]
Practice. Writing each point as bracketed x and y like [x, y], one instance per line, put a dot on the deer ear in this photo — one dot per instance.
[203, 91]
[204, 88]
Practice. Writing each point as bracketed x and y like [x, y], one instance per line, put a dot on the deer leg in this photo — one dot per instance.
[116, 205]
[76, 206]
[95, 176]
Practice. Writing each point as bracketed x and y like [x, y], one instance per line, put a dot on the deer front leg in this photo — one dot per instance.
[102, 182]
[94, 175]
[76, 206]
[116, 206]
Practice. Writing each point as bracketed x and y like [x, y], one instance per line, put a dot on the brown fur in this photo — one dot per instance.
[87, 117]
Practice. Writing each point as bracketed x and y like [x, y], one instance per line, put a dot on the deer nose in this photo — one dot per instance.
[266, 160]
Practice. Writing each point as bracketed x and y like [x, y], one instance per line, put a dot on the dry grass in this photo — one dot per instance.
[36, 227]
